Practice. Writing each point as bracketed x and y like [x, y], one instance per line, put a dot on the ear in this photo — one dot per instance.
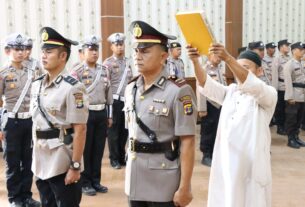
[63, 55]
[7, 51]
[259, 71]
[164, 56]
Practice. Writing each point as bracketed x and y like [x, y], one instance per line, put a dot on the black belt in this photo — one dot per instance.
[152, 147]
[298, 85]
[52, 133]
[281, 80]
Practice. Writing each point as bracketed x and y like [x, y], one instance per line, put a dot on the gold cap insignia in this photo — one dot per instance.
[44, 35]
[174, 45]
[137, 31]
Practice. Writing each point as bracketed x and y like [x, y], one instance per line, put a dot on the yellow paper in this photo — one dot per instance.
[196, 30]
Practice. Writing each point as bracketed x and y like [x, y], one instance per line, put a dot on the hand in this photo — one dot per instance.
[202, 113]
[220, 51]
[182, 197]
[193, 53]
[72, 176]
[1, 136]
[291, 101]
[109, 122]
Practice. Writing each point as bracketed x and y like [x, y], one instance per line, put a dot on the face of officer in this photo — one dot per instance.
[251, 66]
[270, 51]
[91, 54]
[285, 49]
[214, 59]
[16, 54]
[176, 52]
[53, 58]
[298, 53]
[150, 59]
[28, 51]
[118, 49]
[260, 52]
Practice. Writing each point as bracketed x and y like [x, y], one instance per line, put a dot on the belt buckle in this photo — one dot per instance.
[132, 145]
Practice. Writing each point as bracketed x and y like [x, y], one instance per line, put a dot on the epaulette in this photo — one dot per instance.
[177, 81]
[71, 80]
[40, 77]
[134, 79]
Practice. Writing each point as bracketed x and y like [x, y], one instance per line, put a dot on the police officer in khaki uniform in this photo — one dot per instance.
[15, 82]
[120, 74]
[259, 48]
[209, 111]
[94, 77]
[29, 61]
[278, 82]
[59, 107]
[294, 78]
[80, 58]
[160, 116]
[268, 59]
[175, 64]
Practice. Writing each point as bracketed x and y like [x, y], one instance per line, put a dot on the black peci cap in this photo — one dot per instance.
[252, 56]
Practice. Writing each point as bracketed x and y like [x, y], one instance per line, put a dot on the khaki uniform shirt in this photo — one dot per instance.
[116, 68]
[65, 102]
[175, 67]
[216, 74]
[101, 94]
[169, 111]
[277, 71]
[12, 82]
[268, 66]
[264, 76]
[294, 73]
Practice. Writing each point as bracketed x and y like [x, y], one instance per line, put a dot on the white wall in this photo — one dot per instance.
[161, 15]
[73, 18]
[273, 20]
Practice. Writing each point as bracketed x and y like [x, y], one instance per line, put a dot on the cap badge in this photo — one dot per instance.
[94, 40]
[44, 35]
[174, 45]
[19, 39]
[137, 31]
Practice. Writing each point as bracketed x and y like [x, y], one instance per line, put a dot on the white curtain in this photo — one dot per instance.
[273, 20]
[73, 18]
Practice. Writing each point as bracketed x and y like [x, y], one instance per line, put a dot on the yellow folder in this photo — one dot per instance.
[196, 30]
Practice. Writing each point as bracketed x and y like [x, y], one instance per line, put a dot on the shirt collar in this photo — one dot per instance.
[56, 81]
[159, 81]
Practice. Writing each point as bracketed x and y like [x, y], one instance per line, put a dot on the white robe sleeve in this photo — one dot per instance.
[266, 96]
[213, 90]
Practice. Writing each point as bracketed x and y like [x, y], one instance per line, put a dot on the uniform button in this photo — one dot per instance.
[133, 157]
[163, 165]
[142, 97]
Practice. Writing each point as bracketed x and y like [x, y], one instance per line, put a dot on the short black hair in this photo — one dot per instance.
[65, 49]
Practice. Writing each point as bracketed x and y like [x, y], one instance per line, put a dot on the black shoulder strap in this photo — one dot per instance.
[71, 80]
[40, 77]
[150, 134]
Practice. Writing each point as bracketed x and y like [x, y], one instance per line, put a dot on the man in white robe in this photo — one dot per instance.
[241, 169]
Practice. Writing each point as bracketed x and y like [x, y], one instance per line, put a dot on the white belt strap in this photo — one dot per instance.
[118, 97]
[98, 107]
[123, 79]
[25, 89]
[24, 115]
[97, 78]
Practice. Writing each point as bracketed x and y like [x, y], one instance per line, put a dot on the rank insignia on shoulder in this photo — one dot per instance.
[185, 98]
[178, 82]
[79, 100]
[71, 80]
[188, 107]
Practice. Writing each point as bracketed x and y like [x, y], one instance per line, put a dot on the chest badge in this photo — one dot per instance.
[12, 85]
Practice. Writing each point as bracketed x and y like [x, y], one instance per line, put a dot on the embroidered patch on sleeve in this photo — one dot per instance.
[79, 100]
[188, 107]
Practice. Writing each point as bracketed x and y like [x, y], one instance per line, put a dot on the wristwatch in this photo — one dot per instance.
[75, 165]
